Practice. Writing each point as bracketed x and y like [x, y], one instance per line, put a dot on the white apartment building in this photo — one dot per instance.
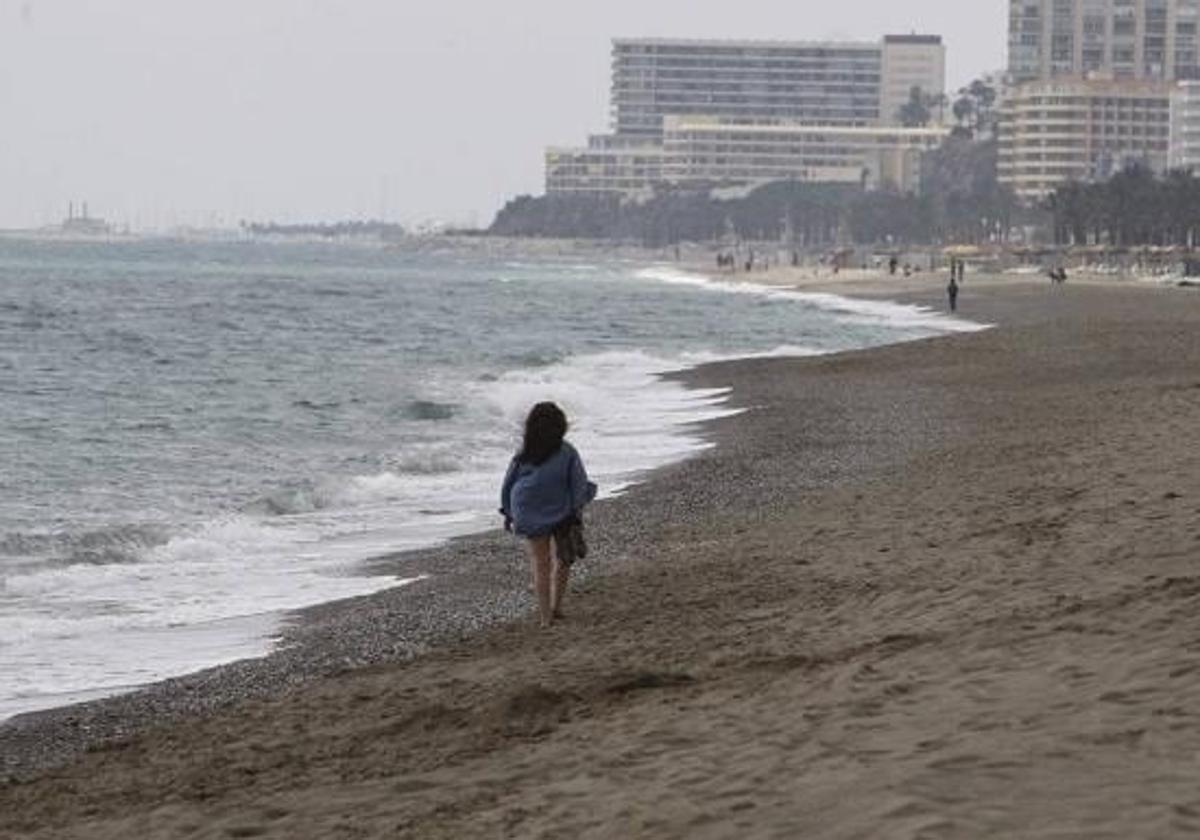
[720, 152]
[711, 151]
[1052, 133]
[818, 83]
[1185, 126]
[1117, 39]
[711, 86]
[610, 164]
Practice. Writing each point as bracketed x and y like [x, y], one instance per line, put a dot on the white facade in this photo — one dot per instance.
[1116, 39]
[627, 168]
[911, 61]
[1052, 133]
[706, 150]
[1185, 126]
[843, 83]
[699, 112]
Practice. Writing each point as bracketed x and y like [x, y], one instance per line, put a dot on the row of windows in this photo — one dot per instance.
[1107, 143]
[699, 161]
[1092, 130]
[765, 52]
[764, 65]
[758, 149]
[820, 67]
[1123, 103]
[830, 109]
[748, 143]
[851, 84]
[1080, 117]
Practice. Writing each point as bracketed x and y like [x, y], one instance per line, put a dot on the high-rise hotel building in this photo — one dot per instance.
[1118, 39]
[660, 84]
[1092, 83]
[843, 84]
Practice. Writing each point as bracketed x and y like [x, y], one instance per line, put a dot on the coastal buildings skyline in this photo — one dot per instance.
[1092, 87]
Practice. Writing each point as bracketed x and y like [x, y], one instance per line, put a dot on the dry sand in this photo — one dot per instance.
[942, 590]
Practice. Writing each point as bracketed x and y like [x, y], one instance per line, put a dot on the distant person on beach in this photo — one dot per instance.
[543, 496]
[952, 292]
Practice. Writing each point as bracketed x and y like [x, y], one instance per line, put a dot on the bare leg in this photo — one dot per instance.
[562, 573]
[539, 555]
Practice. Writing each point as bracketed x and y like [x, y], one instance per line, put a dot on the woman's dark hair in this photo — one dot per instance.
[545, 429]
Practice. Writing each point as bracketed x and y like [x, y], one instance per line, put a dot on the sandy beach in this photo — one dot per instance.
[946, 589]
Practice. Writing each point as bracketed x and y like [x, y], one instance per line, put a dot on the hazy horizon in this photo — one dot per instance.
[203, 114]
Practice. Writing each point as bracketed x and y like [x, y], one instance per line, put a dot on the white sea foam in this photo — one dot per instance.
[108, 623]
[625, 417]
[857, 310]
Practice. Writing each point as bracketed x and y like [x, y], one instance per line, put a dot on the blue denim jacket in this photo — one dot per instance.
[537, 498]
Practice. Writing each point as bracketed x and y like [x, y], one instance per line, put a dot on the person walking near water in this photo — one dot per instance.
[545, 490]
[952, 292]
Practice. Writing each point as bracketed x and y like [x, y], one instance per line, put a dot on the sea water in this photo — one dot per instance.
[196, 438]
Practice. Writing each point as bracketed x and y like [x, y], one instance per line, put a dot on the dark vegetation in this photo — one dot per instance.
[975, 110]
[919, 110]
[960, 201]
[1133, 208]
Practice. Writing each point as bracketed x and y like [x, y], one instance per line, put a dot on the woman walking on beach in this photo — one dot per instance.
[544, 493]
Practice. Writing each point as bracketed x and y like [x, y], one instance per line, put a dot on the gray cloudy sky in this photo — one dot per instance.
[166, 112]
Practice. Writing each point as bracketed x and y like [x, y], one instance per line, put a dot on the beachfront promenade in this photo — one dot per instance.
[944, 589]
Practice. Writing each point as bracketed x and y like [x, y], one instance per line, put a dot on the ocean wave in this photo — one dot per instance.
[625, 416]
[428, 410]
[402, 478]
[287, 501]
[431, 459]
[857, 310]
[115, 546]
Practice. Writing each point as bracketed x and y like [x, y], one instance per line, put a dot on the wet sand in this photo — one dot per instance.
[945, 589]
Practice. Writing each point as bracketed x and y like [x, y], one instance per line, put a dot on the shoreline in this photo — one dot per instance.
[870, 596]
[446, 603]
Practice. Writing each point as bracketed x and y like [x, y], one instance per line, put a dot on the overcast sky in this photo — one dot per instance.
[166, 112]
